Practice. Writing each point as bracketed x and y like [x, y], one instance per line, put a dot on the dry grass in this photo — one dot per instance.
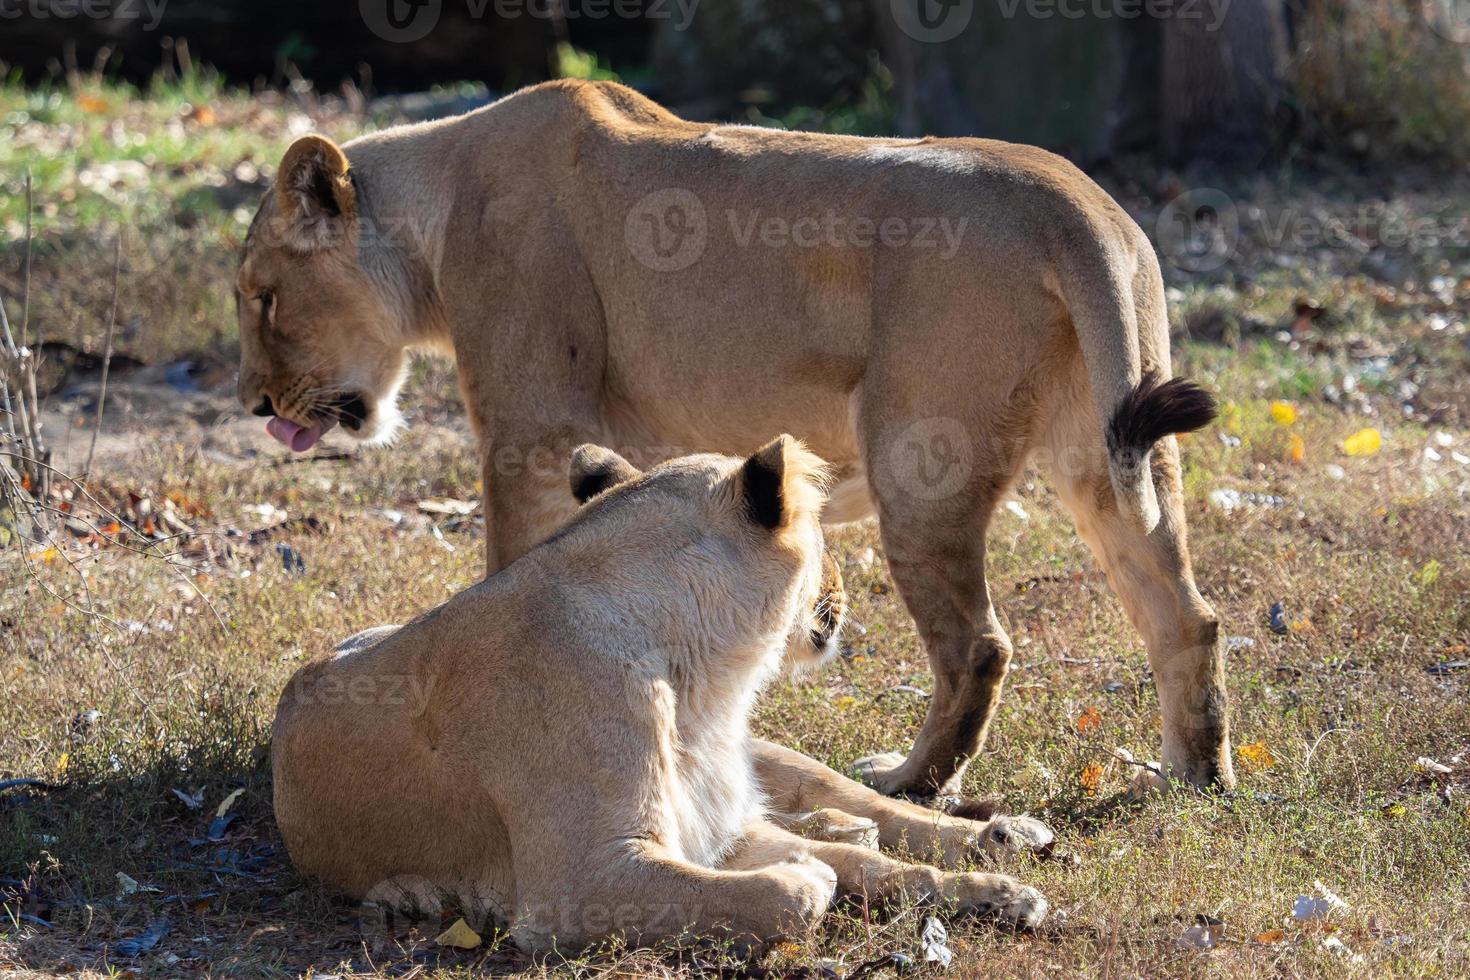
[1367, 554]
[1371, 568]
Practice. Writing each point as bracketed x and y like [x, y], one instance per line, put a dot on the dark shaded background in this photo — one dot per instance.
[1234, 82]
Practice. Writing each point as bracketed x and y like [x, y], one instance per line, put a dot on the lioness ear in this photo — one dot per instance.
[314, 193]
[781, 480]
[595, 469]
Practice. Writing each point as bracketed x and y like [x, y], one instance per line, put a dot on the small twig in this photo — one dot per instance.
[24, 407]
[25, 293]
[168, 558]
[106, 352]
[1307, 762]
[884, 930]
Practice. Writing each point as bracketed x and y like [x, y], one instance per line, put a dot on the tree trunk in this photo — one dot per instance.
[770, 54]
[1221, 84]
[993, 68]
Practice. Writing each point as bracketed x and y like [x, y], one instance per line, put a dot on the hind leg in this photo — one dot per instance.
[1151, 575]
[799, 785]
[936, 481]
[862, 871]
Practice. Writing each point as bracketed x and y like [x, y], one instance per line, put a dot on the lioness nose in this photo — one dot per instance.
[264, 409]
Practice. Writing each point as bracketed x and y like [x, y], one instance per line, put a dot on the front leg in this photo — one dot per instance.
[797, 784]
[868, 874]
[530, 344]
[569, 898]
[526, 492]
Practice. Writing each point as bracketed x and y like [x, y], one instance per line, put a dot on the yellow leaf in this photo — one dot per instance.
[63, 762]
[1230, 414]
[459, 935]
[1283, 412]
[1091, 778]
[1256, 755]
[1296, 450]
[1089, 721]
[1364, 442]
[1270, 936]
[1395, 810]
[844, 702]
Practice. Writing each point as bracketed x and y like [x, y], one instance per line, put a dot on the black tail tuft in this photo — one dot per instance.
[1156, 409]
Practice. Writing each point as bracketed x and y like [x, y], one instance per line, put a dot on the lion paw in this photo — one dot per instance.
[809, 888]
[959, 840]
[882, 771]
[1147, 783]
[1006, 836]
[997, 897]
[837, 827]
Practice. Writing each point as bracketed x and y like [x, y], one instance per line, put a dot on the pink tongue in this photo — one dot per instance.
[298, 438]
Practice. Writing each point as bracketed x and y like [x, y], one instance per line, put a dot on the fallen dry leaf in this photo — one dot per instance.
[1296, 450]
[1256, 755]
[228, 802]
[457, 508]
[1364, 442]
[1284, 413]
[459, 935]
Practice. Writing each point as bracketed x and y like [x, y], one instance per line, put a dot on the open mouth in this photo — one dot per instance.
[822, 635]
[350, 410]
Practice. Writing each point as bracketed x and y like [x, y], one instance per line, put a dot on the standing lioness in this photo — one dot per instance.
[564, 745]
[925, 314]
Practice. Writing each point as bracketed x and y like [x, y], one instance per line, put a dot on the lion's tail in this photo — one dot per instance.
[1138, 407]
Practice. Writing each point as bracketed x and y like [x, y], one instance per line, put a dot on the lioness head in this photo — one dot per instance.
[738, 542]
[325, 322]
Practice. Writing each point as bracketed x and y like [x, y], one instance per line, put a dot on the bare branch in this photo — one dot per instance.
[106, 352]
[25, 289]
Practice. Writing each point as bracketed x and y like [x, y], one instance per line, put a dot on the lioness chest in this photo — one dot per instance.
[717, 795]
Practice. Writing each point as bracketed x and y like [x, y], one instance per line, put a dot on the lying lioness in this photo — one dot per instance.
[926, 314]
[564, 745]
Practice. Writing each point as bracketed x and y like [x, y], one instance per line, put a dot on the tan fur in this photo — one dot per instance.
[926, 375]
[564, 747]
